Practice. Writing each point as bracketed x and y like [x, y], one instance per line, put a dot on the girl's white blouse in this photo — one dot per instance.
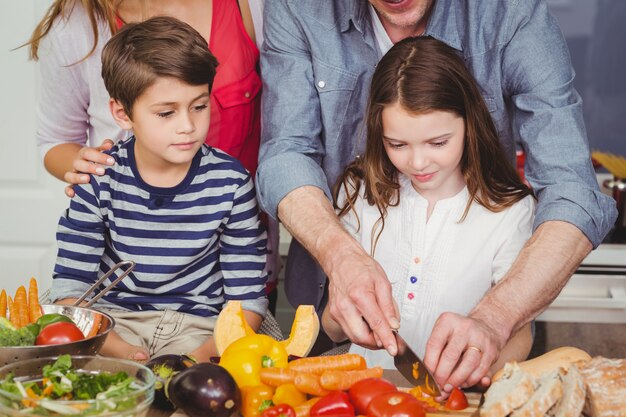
[442, 265]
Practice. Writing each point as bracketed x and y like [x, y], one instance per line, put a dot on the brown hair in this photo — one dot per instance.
[95, 9]
[158, 47]
[423, 75]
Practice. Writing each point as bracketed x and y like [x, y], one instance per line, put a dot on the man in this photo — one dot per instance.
[317, 62]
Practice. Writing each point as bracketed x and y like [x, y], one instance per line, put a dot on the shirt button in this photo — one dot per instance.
[247, 94]
[321, 84]
[413, 280]
[158, 202]
[410, 296]
[416, 260]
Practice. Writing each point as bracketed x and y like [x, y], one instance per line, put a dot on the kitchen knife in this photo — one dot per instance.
[413, 369]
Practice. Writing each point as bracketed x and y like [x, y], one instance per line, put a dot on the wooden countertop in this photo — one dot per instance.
[393, 376]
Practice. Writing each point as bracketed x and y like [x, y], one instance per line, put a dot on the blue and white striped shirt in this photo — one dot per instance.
[196, 245]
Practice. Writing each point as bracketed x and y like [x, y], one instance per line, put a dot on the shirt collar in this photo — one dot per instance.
[357, 14]
[443, 23]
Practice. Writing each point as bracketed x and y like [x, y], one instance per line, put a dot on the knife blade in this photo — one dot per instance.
[413, 369]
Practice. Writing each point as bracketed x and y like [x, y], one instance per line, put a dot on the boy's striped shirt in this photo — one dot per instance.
[196, 245]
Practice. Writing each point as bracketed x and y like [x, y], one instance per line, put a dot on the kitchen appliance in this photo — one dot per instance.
[590, 312]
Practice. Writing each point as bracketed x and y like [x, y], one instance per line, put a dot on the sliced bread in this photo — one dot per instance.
[509, 392]
[548, 392]
[605, 381]
[573, 400]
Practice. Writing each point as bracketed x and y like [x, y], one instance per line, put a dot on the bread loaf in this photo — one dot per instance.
[560, 357]
[511, 391]
[548, 393]
[605, 381]
[573, 400]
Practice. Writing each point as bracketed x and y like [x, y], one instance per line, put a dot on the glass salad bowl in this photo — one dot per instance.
[92, 383]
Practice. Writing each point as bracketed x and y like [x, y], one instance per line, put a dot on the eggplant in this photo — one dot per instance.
[164, 367]
[204, 390]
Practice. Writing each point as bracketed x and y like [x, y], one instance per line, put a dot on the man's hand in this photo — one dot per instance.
[460, 351]
[360, 294]
[541, 270]
[360, 301]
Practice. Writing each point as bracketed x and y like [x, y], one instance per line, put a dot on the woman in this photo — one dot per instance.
[74, 121]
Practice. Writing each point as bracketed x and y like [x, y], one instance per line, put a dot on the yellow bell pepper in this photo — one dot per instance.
[252, 398]
[288, 394]
[245, 357]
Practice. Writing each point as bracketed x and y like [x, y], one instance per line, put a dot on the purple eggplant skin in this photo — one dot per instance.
[164, 367]
[205, 390]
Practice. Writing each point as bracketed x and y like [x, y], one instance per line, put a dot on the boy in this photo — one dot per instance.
[184, 212]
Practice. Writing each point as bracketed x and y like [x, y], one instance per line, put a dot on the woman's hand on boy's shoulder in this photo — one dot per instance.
[90, 160]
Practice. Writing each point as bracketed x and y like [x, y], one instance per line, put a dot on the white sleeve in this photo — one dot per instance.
[519, 227]
[63, 94]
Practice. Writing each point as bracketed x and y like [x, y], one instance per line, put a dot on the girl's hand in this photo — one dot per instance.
[89, 161]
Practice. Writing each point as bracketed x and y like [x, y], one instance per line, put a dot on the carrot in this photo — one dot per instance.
[13, 313]
[21, 304]
[3, 304]
[304, 409]
[47, 390]
[319, 364]
[309, 384]
[275, 377]
[342, 380]
[97, 322]
[34, 308]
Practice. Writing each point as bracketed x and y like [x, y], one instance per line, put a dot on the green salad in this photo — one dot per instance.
[60, 384]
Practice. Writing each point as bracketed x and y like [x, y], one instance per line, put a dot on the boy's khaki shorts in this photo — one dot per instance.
[162, 332]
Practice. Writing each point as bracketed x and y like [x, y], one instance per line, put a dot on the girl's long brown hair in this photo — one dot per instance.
[96, 10]
[424, 75]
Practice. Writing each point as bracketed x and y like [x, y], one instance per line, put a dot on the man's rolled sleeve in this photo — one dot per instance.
[589, 210]
[276, 178]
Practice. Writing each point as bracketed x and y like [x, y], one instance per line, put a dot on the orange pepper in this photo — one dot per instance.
[288, 394]
[253, 397]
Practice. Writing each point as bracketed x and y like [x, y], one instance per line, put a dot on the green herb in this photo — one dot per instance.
[110, 390]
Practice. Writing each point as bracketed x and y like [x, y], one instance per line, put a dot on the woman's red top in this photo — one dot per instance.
[236, 95]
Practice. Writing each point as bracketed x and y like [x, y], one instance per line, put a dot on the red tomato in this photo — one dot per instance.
[457, 400]
[362, 392]
[59, 333]
[395, 404]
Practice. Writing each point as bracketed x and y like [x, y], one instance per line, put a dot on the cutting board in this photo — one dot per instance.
[473, 398]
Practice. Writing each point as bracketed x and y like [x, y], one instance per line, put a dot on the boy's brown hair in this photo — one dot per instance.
[159, 47]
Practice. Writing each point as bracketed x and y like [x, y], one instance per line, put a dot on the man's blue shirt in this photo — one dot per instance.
[317, 62]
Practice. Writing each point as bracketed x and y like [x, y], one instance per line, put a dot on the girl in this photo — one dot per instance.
[434, 199]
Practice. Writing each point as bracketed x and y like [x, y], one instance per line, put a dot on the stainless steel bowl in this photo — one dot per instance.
[84, 318]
